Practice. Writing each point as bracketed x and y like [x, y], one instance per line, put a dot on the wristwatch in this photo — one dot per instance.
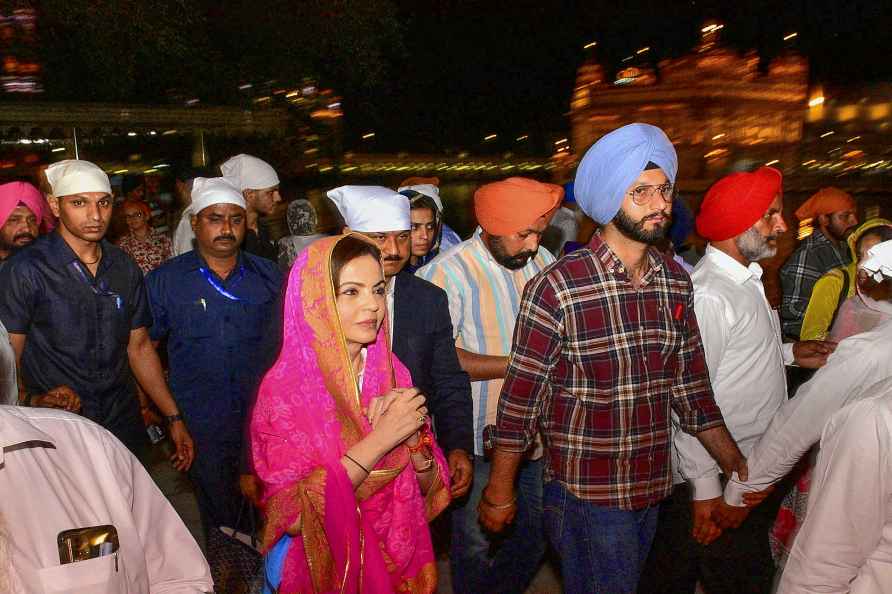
[171, 419]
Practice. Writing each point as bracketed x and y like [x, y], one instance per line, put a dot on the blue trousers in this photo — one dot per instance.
[602, 549]
[506, 563]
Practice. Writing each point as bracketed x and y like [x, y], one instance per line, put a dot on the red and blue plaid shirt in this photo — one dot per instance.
[598, 365]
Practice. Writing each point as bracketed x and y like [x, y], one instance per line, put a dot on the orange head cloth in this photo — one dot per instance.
[419, 181]
[825, 201]
[514, 204]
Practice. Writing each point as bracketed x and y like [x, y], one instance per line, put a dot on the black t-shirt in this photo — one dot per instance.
[77, 327]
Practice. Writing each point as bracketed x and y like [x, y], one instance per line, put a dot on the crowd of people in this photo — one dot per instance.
[637, 407]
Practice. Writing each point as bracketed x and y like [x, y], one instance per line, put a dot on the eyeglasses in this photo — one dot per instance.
[134, 215]
[644, 194]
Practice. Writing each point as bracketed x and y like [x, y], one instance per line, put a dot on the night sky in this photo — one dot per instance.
[444, 73]
[471, 68]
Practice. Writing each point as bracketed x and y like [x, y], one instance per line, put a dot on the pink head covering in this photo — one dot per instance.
[18, 192]
[309, 412]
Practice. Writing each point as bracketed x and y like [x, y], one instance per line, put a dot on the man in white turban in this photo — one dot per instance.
[76, 311]
[259, 184]
[217, 306]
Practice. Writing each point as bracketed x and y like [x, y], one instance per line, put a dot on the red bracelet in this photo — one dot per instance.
[425, 440]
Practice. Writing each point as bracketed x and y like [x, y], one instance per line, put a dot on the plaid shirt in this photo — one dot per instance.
[814, 257]
[597, 365]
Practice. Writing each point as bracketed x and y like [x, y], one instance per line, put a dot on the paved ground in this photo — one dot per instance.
[178, 490]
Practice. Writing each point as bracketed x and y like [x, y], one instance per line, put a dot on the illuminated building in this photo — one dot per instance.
[716, 106]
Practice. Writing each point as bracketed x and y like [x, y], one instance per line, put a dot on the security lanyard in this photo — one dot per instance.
[209, 277]
[102, 290]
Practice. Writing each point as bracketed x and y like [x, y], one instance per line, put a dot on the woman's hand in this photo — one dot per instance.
[397, 415]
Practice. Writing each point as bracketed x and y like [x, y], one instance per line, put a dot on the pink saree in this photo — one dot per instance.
[309, 412]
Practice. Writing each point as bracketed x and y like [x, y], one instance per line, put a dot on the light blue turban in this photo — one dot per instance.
[613, 163]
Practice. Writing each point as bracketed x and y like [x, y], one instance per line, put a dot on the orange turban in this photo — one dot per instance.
[419, 181]
[825, 201]
[514, 204]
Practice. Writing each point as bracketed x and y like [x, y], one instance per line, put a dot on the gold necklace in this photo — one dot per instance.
[99, 257]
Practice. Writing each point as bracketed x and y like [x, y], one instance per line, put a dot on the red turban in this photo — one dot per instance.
[734, 203]
[825, 201]
[513, 205]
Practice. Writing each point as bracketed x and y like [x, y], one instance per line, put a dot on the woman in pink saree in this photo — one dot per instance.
[340, 440]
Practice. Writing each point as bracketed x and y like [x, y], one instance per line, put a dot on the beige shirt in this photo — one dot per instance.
[59, 471]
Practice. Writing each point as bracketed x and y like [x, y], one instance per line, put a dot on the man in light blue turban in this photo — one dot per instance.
[613, 163]
[606, 349]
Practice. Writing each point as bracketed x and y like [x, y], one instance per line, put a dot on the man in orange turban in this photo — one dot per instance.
[834, 215]
[484, 279]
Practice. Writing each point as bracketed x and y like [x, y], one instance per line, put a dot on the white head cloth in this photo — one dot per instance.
[372, 209]
[429, 190]
[249, 173]
[207, 191]
[73, 176]
[878, 261]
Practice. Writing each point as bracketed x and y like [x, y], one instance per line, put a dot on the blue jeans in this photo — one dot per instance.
[602, 549]
[506, 563]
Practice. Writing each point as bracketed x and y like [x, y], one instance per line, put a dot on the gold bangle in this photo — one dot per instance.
[489, 503]
[349, 457]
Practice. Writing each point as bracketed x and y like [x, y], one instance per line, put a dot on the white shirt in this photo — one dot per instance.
[858, 363]
[745, 357]
[9, 388]
[183, 234]
[59, 471]
[845, 544]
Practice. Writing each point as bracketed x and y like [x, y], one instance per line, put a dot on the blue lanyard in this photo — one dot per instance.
[209, 277]
[102, 290]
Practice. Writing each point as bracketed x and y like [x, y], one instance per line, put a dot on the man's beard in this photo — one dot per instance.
[754, 246]
[12, 247]
[636, 231]
[515, 262]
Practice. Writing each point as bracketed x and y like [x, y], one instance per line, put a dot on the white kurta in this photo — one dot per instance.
[858, 363]
[745, 357]
[59, 471]
[845, 544]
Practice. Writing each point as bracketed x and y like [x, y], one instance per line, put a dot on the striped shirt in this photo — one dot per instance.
[484, 299]
[599, 365]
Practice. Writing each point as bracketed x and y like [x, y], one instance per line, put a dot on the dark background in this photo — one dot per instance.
[425, 76]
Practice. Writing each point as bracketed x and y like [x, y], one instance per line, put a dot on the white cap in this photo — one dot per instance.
[429, 190]
[372, 209]
[73, 176]
[207, 191]
[878, 261]
[249, 173]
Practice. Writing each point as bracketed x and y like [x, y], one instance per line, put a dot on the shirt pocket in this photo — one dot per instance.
[199, 322]
[102, 575]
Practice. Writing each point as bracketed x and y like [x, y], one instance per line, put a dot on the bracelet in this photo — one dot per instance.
[424, 440]
[171, 419]
[349, 457]
[426, 467]
[489, 503]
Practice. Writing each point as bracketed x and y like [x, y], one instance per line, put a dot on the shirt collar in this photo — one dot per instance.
[481, 246]
[611, 262]
[15, 429]
[731, 267]
[197, 261]
[61, 254]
